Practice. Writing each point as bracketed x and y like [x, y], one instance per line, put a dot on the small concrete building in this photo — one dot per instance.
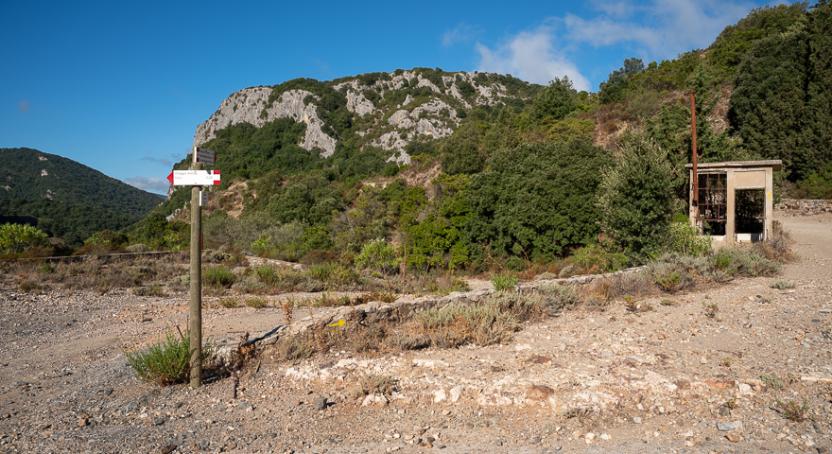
[735, 199]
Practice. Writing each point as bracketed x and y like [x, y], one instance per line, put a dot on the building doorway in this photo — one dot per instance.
[750, 214]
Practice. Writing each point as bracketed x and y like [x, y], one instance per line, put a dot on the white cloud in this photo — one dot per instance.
[158, 185]
[461, 33]
[665, 28]
[531, 56]
[615, 8]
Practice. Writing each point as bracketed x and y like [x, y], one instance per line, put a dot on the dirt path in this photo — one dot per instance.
[667, 380]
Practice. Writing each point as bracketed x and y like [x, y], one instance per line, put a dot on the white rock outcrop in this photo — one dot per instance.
[391, 126]
[251, 106]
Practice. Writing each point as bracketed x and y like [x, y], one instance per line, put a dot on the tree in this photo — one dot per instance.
[613, 89]
[767, 107]
[537, 201]
[819, 89]
[17, 238]
[636, 198]
[555, 101]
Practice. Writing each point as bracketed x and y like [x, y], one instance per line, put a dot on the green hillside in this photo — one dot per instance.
[516, 171]
[66, 199]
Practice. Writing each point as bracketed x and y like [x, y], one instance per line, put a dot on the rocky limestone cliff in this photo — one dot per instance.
[389, 110]
[249, 105]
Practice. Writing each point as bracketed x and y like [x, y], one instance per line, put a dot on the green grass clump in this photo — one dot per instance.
[504, 282]
[219, 276]
[165, 363]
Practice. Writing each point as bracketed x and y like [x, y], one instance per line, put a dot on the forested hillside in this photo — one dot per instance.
[64, 198]
[452, 171]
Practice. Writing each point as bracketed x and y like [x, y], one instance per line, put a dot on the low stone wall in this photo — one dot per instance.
[804, 207]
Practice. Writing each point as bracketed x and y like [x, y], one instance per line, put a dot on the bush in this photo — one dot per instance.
[535, 201]
[744, 261]
[595, 259]
[219, 276]
[16, 238]
[682, 238]
[378, 256]
[504, 282]
[165, 363]
[636, 199]
[257, 303]
[458, 324]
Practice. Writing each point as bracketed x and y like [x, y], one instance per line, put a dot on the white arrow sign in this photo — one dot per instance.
[195, 177]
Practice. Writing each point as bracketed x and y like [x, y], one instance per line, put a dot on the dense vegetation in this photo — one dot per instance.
[64, 198]
[550, 173]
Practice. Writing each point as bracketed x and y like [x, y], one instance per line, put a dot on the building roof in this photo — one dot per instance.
[776, 164]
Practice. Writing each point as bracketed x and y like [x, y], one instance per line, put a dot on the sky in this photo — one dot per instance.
[120, 86]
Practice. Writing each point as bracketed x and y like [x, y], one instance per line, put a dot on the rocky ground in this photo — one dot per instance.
[721, 370]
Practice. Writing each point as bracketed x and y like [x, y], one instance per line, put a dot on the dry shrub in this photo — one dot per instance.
[287, 305]
[600, 292]
[257, 303]
[792, 410]
[375, 384]
[384, 297]
[778, 246]
[150, 290]
[295, 348]
[29, 284]
[457, 324]
[229, 302]
[96, 274]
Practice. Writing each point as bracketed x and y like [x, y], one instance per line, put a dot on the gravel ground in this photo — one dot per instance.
[671, 379]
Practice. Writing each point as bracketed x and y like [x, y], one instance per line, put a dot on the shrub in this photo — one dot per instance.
[257, 303]
[535, 201]
[458, 324]
[595, 259]
[504, 282]
[744, 261]
[674, 274]
[229, 303]
[219, 276]
[151, 290]
[379, 256]
[782, 285]
[165, 363]
[793, 410]
[16, 238]
[636, 199]
[682, 238]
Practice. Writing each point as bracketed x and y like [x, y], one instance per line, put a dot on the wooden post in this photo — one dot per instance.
[694, 160]
[195, 306]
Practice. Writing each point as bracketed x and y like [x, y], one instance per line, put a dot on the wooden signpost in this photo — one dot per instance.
[196, 178]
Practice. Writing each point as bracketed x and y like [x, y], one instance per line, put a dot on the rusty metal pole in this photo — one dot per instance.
[694, 158]
[195, 306]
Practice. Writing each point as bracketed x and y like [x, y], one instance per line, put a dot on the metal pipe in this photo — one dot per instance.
[694, 153]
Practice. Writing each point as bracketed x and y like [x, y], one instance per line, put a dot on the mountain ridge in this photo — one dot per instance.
[66, 198]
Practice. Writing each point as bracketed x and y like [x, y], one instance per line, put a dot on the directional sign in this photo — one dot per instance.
[205, 156]
[194, 177]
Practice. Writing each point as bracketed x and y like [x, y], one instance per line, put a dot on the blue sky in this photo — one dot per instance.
[121, 86]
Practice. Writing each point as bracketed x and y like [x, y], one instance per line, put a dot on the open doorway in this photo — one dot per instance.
[750, 214]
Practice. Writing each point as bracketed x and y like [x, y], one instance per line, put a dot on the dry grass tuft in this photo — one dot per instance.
[257, 303]
[229, 302]
[792, 410]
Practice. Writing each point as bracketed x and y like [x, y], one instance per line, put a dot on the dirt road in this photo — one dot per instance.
[668, 380]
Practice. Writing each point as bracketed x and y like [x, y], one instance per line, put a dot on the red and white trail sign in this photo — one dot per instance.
[194, 177]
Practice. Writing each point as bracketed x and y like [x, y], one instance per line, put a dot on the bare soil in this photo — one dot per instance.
[709, 371]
